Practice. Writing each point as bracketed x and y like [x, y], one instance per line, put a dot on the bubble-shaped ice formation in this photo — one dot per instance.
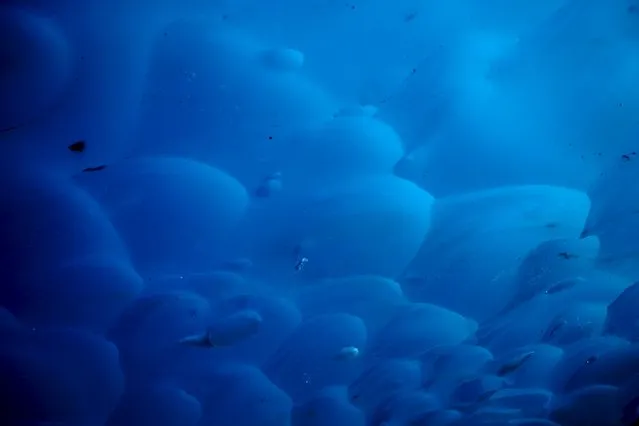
[232, 110]
[344, 147]
[419, 327]
[58, 375]
[161, 405]
[622, 318]
[371, 225]
[329, 407]
[373, 299]
[242, 394]
[175, 214]
[239, 214]
[505, 224]
[301, 366]
[31, 43]
[283, 59]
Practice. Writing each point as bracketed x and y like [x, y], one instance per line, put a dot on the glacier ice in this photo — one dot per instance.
[319, 213]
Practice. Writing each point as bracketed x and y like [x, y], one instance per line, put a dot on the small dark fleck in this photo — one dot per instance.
[566, 255]
[270, 138]
[166, 34]
[552, 330]
[632, 9]
[78, 146]
[410, 16]
[352, 7]
[414, 70]
[625, 157]
[514, 365]
[95, 169]
[551, 225]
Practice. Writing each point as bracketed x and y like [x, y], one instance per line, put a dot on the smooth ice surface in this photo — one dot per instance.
[319, 213]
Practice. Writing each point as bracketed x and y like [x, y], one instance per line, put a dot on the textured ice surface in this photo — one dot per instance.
[319, 213]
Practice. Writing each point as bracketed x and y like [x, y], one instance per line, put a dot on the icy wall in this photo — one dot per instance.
[319, 213]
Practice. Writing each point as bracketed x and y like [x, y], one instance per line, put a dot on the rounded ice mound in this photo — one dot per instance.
[623, 315]
[475, 390]
[613, 218]
[329, 407]
[383, 380]
[368, 226]
[579, 357]
[283, 59]
[279, 319]
[31, 44]
[598, 287]
[227, 331]
[531, 402]
[558, 319]
[175, 214]
[47, 223]
[612, 367]
[525, 325]
[419, 327]
[243, 395]
[159, 405]
[149, 330]
[58, 375]
[306, 362]
[66, 222]
[89, 293]
[59, 87]
[405, 407]
[212, 98]
[595, 405]
[371, 298]
[444, 367]
[505, 224]
[214, 286]
[567, 311]
[547, 267]
[346, 146]
[530, 366]
[576, 322]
